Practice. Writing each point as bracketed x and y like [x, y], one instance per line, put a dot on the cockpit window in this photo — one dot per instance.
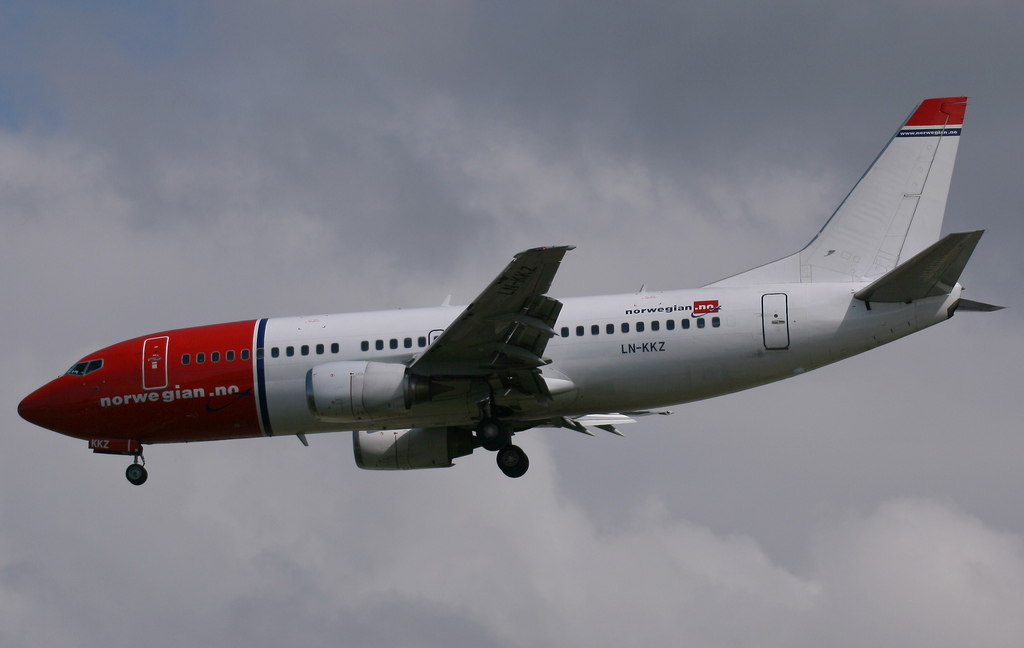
[85, 367]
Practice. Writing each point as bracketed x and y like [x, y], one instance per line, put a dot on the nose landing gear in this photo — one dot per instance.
[136, 472]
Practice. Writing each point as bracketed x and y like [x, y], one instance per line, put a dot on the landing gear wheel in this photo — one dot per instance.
[492, 434]
[137, 474]
[513, 461]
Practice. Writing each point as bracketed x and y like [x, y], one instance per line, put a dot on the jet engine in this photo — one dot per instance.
[358, 391]
[411, 449]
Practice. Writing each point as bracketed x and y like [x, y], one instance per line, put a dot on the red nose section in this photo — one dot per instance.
[184, 385]
[38, 408]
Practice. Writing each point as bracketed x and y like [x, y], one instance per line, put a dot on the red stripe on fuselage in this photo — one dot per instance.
[200, 401]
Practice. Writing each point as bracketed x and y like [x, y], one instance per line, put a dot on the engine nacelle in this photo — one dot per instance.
[411, 449]
[357, 391]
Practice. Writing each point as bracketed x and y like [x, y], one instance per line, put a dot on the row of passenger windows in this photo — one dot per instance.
[229, 356]
[289, 351]
[670, 325]
[83, 368]
[595, 329]
[421, 342]
[305, 349]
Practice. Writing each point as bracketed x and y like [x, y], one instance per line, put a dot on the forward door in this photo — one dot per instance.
[154, 363]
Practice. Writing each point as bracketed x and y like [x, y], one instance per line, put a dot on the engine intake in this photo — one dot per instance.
[411, 449]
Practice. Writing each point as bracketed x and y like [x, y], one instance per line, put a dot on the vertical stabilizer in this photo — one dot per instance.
[894, 212]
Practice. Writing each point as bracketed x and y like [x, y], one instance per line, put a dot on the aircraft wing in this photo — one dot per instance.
[506, 328]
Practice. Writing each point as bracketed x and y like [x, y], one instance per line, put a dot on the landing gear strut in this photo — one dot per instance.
[136, 472]
[496, 436]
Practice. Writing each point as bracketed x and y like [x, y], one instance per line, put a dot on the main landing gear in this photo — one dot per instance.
[496, 436]
[136, 472]
[513, 461]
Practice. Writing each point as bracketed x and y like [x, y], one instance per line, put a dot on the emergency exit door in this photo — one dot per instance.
[775, 320]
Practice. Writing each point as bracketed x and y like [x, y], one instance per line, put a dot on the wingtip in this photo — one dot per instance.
[548, 248]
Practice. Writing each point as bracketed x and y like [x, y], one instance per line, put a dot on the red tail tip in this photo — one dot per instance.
[941, 111]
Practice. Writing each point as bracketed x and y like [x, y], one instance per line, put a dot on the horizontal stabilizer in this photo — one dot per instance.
[931, 273]
[981, 307]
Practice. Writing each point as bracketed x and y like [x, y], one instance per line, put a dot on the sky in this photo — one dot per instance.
[173, 164]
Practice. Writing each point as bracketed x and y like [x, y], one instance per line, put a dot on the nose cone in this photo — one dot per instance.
[47, 407]
[35, 408]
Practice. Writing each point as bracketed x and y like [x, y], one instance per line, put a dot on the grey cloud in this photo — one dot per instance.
[207, 163]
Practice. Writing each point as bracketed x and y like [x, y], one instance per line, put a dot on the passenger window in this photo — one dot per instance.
[245, 354]
[230, 356]
[319, 349]
[609, 328]
[200, 358]
[259, 354]
[716, 322]
[185, 359]
[655, 325]
[685, 324]
[393, 344]
[364, 345]
[625, 327]
[380, 345]
[274, 352]
[639, 327]
[289, 351]
[595, 329]
[407, 343]
[701, 323]
[565, 331]
[579, 331]
[670, 325]
[305, 349]
[335, 348]
[215, 356]
[421, 341]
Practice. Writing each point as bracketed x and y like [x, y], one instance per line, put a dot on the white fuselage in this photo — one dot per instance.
[732, 339]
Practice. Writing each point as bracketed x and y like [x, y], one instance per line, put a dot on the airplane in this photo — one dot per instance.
[419, 388]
